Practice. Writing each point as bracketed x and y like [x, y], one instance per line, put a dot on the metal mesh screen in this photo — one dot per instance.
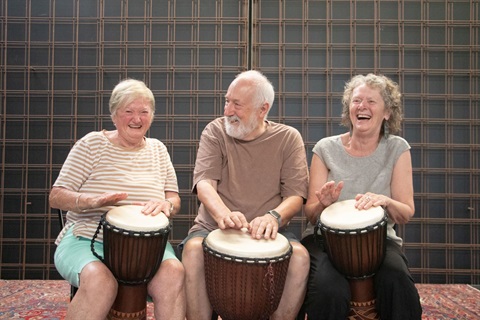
[59, 61]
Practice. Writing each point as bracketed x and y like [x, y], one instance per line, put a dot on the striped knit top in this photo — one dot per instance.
[95, 165]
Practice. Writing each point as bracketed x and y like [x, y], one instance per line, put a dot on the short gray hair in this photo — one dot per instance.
[264, 91]
[127, 91]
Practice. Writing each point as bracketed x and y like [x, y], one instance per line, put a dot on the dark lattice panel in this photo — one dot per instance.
[59, 61]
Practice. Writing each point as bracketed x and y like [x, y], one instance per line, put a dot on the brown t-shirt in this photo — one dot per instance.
[253, 176]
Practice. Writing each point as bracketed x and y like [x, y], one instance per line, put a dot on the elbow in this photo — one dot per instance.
[410, 213]
[402, 220]
[51, 201]
[53, 198]
[406, 217]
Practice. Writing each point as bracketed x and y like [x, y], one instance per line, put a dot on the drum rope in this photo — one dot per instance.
[241, 288]
[95, 235]
[269, 284]
[138, 247]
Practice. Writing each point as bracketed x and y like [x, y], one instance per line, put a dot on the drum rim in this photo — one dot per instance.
[152, 233]
[372, 214]
[229, 257]
[362, 230]
[117, 215]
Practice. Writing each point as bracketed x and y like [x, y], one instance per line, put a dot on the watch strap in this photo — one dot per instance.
[276, 215]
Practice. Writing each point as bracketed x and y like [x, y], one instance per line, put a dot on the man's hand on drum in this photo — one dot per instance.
[232, 220]
[368, 200]
[265, 226]
[329, 193]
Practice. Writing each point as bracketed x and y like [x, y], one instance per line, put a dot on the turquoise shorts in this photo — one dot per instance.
[74, 253]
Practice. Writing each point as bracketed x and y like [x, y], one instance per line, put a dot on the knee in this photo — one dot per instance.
[300, 259]
[95, 275]
[391, 276]
[173, 270]
[327, 298]
[328, 284]
[192, 254]
[170, 276]
[329, 290]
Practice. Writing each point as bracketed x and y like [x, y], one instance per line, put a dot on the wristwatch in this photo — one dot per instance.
[276, 215]
[171, 206]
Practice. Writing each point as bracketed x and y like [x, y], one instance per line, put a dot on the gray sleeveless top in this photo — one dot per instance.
[371, 173]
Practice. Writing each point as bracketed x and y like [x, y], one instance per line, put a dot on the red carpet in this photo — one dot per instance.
[38, 299]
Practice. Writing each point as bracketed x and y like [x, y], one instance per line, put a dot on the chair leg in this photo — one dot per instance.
[302, 315]
[214, 316]
[73, 290]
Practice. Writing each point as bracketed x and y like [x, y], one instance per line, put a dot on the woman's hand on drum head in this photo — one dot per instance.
[368, 200]
[232, 220]
[265, 226]
[154, 207]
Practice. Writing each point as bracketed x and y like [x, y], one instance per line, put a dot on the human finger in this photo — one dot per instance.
[239, 220]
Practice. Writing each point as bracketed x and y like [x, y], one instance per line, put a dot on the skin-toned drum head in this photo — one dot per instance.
[344, 216]
[130, 217]
[239, 243]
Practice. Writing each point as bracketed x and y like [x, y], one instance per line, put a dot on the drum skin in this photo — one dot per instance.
[134, 257]
[242, 288]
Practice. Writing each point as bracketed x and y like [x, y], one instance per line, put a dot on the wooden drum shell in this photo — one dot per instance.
[356, 253]
[242, 288]
[133, 257]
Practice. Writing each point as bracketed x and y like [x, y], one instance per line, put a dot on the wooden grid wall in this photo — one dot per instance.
[59, 61]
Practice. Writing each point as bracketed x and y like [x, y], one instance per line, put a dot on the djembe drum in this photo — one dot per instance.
[245, 277]
[355, 242]
[133, 245]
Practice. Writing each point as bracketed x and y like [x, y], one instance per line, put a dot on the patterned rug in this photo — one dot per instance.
[39, 299]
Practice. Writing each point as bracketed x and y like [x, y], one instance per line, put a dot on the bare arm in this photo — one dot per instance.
[321, 193]
[69, 200]
[400, 206]
[225, 218]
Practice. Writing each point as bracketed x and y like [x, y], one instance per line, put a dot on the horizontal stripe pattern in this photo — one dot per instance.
[95, 166]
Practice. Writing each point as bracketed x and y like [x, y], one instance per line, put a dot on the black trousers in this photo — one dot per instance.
[328, 291]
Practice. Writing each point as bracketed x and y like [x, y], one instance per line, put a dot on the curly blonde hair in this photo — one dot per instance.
[390, 93]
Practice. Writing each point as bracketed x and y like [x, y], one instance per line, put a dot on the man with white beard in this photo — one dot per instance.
[249, 173]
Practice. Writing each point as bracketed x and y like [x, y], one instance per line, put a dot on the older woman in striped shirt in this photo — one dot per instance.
[113, 168]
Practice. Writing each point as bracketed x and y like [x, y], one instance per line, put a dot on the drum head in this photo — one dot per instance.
[344, 216]
[239, 243]
[131, 218]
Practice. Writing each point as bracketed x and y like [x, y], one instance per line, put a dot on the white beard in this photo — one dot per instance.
[240, 130]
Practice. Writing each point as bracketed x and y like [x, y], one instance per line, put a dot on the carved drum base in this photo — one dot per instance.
[363, 311]
[362, 306]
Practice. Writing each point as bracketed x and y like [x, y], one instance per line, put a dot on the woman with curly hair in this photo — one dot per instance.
[372, 167]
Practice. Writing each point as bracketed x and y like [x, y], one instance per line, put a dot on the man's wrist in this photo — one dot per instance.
[276, 215]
